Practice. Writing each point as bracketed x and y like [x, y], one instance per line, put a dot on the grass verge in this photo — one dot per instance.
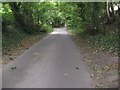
[101, 56]
[15, 43]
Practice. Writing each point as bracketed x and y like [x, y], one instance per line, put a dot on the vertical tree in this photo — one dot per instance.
[95, 22]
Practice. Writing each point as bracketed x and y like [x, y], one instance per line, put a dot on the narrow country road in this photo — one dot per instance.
[50, 63]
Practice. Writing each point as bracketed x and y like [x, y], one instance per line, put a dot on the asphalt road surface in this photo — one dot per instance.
[53, 62]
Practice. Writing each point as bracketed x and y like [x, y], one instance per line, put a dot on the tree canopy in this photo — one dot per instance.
[84, 18]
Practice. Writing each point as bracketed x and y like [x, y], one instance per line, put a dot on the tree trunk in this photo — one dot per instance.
[112, 12]
[95, 22]
[107, 13]
[20, 17]
[16, 11]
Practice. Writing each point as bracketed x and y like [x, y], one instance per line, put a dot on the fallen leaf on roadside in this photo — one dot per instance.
[99, 71]
[97, 77]
[12, 57]
[13, 68]
[98, 85]
[86, 59]
[106, 87]
[66, 74]
[112, 80]
[106, 67]
[92, 75]
[93, 68]
[95, 52]
[77, 68]
[34, 53]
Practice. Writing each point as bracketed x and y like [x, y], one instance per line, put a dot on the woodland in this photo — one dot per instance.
[96, 21]
[96, 24]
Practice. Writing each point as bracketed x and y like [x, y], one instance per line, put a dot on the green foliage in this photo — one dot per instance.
[83, 18]
[87, 20]
[7, 17]
[46, 28]
[12, 37]
[58, 22]
[31, 16]
[105, 42]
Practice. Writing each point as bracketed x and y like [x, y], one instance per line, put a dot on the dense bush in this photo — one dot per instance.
[86, 19]
[95, 21]
[58, 22]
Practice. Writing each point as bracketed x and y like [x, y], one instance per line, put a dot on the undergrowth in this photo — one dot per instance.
[14, 36]
[107, 41]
